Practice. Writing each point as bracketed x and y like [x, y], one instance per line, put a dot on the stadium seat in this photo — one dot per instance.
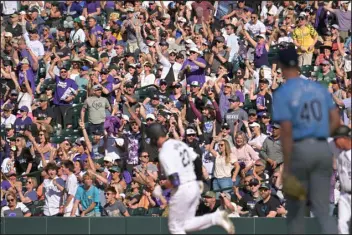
[140, 211]
[155, 211]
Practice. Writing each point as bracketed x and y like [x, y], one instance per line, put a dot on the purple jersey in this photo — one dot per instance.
[61, 86]
[196, 73]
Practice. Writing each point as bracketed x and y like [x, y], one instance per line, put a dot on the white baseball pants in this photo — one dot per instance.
[344, 213]
[183, 205]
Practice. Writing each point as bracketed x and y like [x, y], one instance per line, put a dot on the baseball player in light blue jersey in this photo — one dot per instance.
[307, 116]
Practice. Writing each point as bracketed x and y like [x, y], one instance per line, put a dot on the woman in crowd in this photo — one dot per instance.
[30, 195]
[244, 152]
[225, 162]
[14, 208]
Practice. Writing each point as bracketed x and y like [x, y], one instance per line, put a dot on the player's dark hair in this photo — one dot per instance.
[111, 189]
[68, 164]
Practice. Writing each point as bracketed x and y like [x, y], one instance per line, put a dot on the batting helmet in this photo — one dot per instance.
[154, 131]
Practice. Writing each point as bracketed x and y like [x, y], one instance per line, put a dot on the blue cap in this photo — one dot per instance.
[24, 108]
[119, 22]
[288, 56]
[85, 68]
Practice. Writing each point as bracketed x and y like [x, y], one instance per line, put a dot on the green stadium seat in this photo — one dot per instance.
[140, 211]
[155, 211]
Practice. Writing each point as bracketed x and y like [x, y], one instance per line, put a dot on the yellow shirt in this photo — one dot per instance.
[305, 37]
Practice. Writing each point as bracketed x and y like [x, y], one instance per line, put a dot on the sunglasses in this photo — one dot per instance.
[251, 185]
[63, 71]
[29, 182]
[263, 190]
[10, 200]
[145, 156]
[192, 135]
[149, 120]
[225, 128]
[253, 18]
[221, 145]
[172, 54]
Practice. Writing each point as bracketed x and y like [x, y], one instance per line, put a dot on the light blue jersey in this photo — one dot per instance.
[88, 197]
[306, 104]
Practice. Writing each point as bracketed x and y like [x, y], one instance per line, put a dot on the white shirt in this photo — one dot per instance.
[259, 140]
[147, 80]
[177, 157]
[79, 36]
[265, 11]
[232, 42]
[71, 188]
[255, 29]
[10, 120]
[25, 100]
[9, 7]
[167, 65]
[36, 46]
[208, 162]
[53, 197]
[6, 165]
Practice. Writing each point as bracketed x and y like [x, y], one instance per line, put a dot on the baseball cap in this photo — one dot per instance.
[209, 106]
[152, 43]
[265, 114]
[190, 131]
[85, 68]
[97, 132]
[125, 117]
[234, 99]
[43, 97]
[164, 43]
[150, 116]
[8, 34]
[276, 125]
[8, 107]
[261, 36]
[162, 82]
[194, 49]
[132, 65]
[24, 61]
[335, 26]
[220, 39]
[79, 141]
[24, 109]
[155, 97]
[209, 194]
[150, 37]
[195, 83]
[14, 15]
[182, 19]
[104, 71]
[265, 185]
[225, 126]
[253, 181]
[82, 18]
[14, 92]
[104, 54]
[129, 85]
[177, 85]
[166, 16]
[97, 87]
[108, 158]
[115, 169]
[288, 57]
[254, 124]
[263, 80]
[33, 10]
[252, 111]
[325, 62]
[9, 126]
[342, 131]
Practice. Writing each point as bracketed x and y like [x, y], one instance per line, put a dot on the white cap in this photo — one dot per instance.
[181, 19]
[335, 26]
[151, 116]
[189, 41]
[124, 116]
[262, 36]
[119, 141]
[166, 16]
[254, 124]
[190, 132]
[195, 49]
[112, 156]
[151, 44]
[82, 18]
[303, 14]
[108, 158]
[271, 12]
[8, 34]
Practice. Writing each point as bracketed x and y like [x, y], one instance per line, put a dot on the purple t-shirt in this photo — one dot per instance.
[260, 101]
[20, 125]
[61, 86]
[30, 77]
[111, 38]
[97, 30]
[110, 4]
[240, 95]
[196, 73]
[80, 157]
[91, 7]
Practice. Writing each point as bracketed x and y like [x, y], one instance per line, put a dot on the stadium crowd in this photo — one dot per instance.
[82, 80]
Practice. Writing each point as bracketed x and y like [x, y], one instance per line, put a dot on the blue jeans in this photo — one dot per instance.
[222, 183]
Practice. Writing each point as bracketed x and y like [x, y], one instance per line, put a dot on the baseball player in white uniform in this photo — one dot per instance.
[342, 140]
[176, 159]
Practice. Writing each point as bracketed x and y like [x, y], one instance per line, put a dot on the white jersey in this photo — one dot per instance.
[344, 170]
[177, 157]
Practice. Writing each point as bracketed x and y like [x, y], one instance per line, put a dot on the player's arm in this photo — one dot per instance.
[287, 142]
[334, 119]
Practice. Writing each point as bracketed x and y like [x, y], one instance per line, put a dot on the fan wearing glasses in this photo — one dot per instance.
[30, 195]
[14, 208]
[113, 206]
